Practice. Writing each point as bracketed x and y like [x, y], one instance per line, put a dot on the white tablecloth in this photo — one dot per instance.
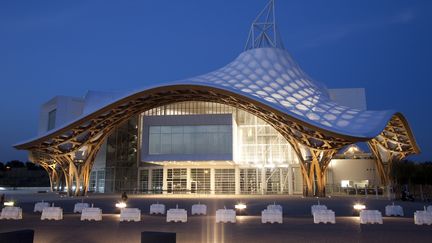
[324, 216]
[271, 216]
[11, 212]
[49, 213]
[275, 206]
[423, 217]
[394, 210]
[370, 217]
[315, 208]
[157, 209]
[91, 214]
[225, 215]
[198, 209]
[39, 206]
[130, 214]
[176, 215]
[80, 206]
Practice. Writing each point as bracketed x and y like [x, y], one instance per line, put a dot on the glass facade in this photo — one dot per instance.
[157, 180]
[263, 160]
[250, 181]
[97, 181]
[143, 180]
[200, 139]
[200, 180]
[121, 158]
[190, 108]
[177, 180]
[92, 184]
[225, 181]
[256, 143]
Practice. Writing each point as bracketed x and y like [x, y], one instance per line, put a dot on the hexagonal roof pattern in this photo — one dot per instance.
[271, 76]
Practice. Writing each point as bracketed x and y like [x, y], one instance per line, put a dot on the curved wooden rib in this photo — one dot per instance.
[395, 142]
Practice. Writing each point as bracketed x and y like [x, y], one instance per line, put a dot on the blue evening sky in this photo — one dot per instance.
[50, 48]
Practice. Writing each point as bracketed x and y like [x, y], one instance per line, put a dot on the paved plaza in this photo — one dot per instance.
[298, 223]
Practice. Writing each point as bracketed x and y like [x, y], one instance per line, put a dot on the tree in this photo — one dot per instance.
[31, 166]
[15, 164]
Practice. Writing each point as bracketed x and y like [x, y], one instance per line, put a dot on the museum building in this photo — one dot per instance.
[259, 125]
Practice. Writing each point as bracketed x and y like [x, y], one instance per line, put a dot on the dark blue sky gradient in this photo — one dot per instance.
[50, 48]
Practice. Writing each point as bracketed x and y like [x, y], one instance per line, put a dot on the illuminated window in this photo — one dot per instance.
[345, 183]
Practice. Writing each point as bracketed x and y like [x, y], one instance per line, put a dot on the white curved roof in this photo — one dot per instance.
[270, 76]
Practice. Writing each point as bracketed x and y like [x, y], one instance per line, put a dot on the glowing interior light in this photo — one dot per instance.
[240, 206]
[9, 203]
[359, 206]
[120, 205]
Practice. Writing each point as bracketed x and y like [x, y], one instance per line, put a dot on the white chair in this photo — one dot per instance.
[429, 208]
[39, 206]
[324, 216]
[91, 214]
[423, 217]
[271, 216]
[80, 206]
[225, 215]
[394, 210]
[130, 214]
[176, 215]
[315, 208]
[370, 217]
[55, 213]
[11, 212]
[199, 209]
[157, 209]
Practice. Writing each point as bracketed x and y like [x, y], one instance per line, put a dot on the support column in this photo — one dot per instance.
[290, 180]
[237, 180]
[314, 171]
[263, 181]
[164, 180]
[188, 180]
[212, 181]
[150, 181]
[281, 180]
[383, 170]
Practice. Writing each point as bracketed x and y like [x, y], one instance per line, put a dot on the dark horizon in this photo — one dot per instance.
[67, 48]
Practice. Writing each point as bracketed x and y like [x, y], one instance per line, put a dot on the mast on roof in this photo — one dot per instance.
[263, 31]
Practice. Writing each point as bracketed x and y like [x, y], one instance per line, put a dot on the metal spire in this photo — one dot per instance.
[263, 31]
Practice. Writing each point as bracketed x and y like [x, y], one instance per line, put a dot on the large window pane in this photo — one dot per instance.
[200, 139]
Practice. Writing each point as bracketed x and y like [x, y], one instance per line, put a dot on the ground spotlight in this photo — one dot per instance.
[358, 207]
[120, 205]
[240, 206]
[9, 203]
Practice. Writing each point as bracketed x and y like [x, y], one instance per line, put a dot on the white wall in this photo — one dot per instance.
[68, 109]
[353, 170]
